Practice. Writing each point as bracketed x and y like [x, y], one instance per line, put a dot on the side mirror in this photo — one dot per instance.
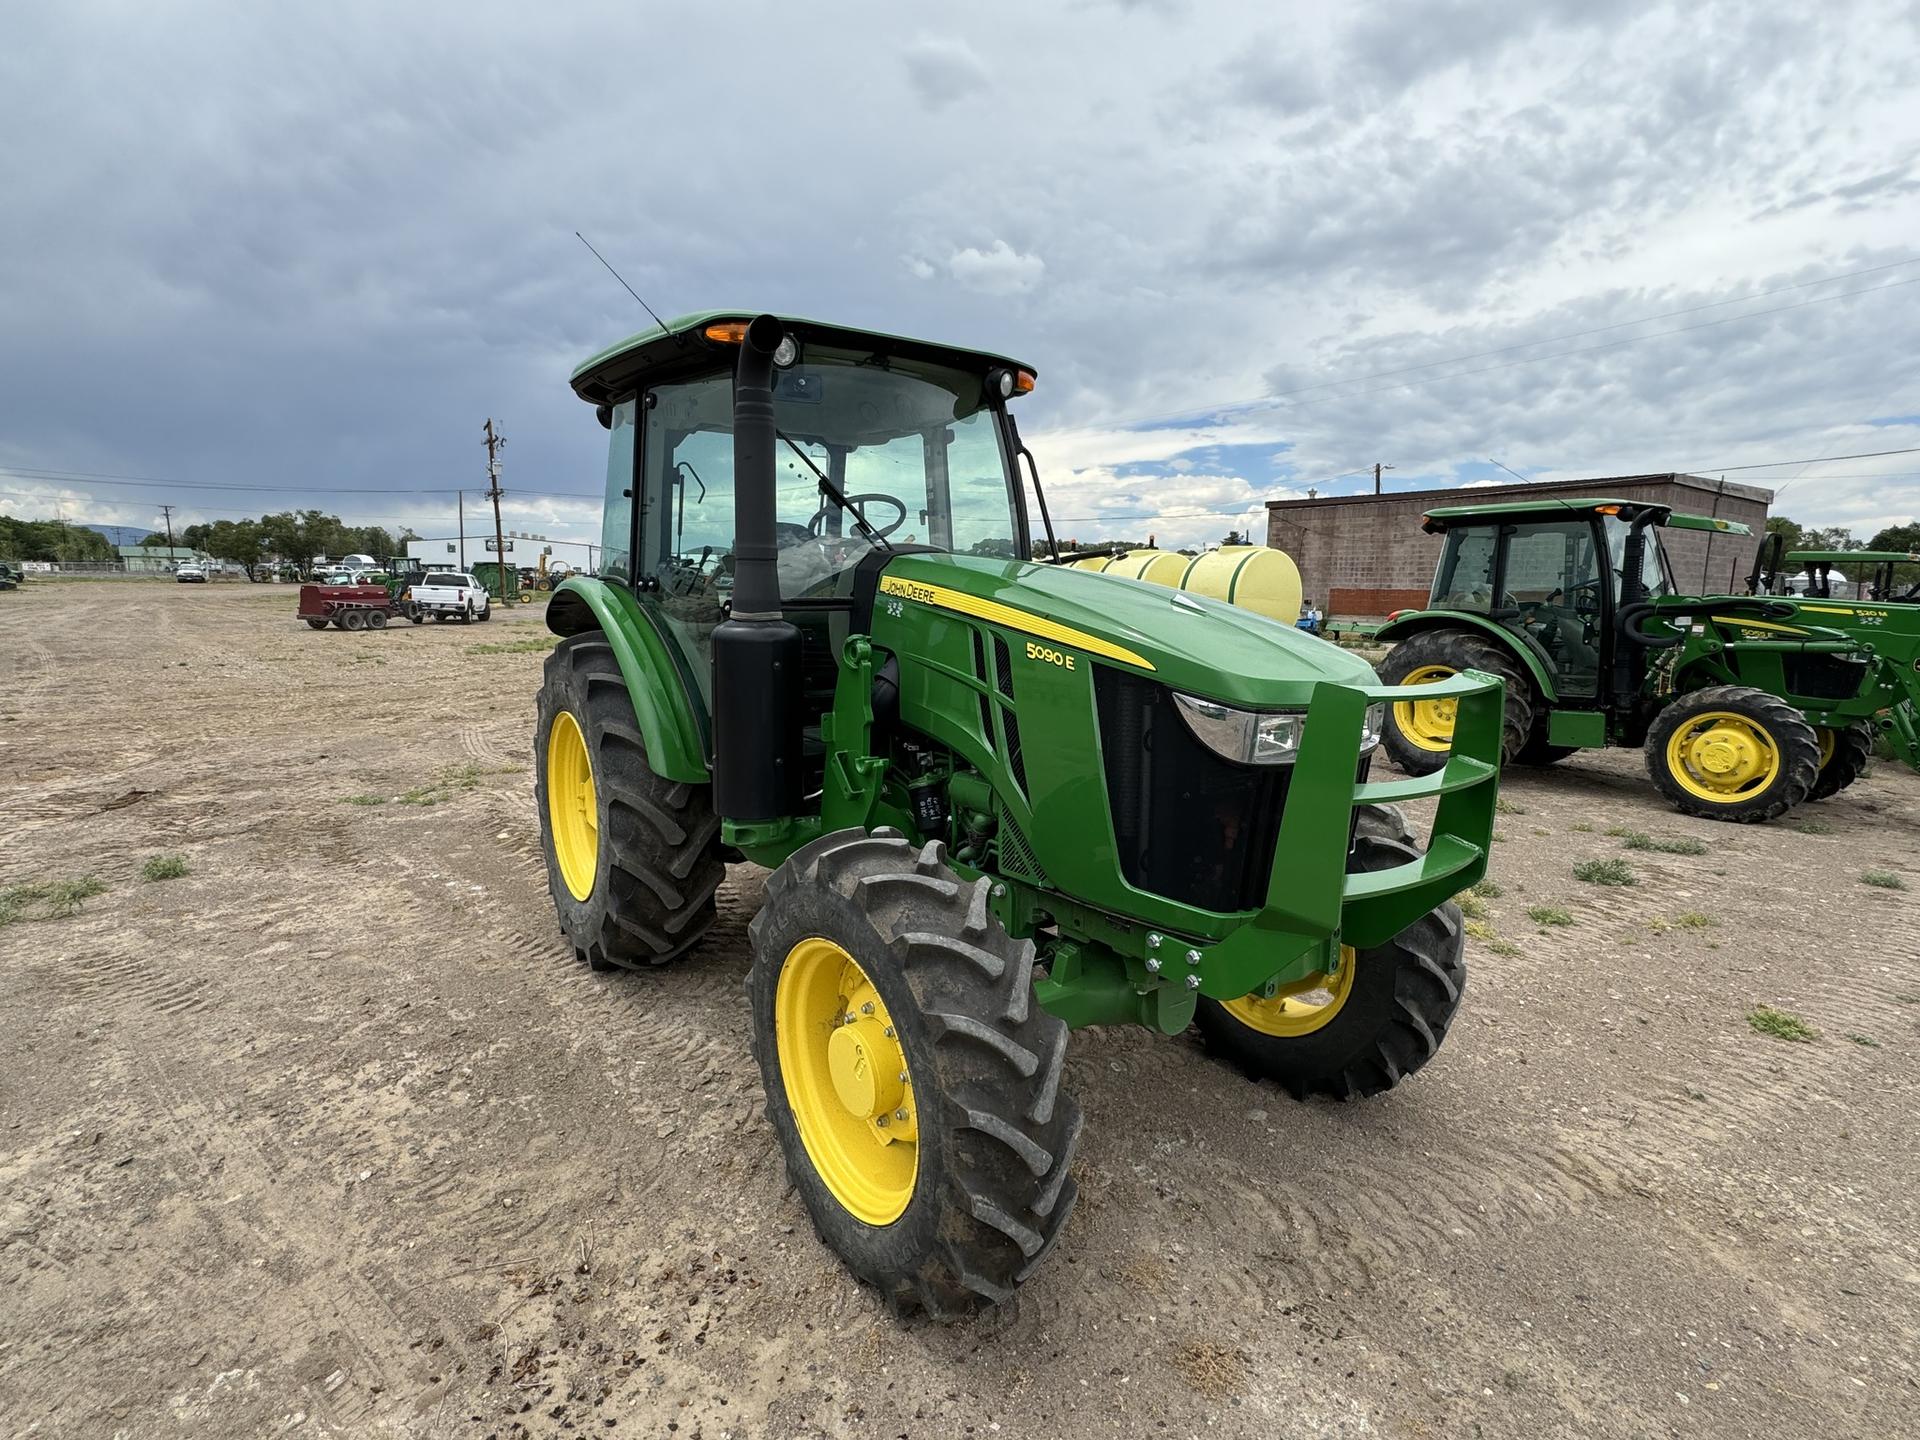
[604, 414]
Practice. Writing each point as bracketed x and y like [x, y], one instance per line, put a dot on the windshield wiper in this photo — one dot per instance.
[834, 493]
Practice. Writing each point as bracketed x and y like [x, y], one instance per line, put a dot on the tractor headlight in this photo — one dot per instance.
[1253, 737]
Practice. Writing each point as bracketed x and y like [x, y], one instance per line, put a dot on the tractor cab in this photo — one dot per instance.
[1556, 575]
[881, 446]
[1884, 576]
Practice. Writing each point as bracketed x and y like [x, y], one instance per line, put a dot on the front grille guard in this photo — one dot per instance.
[1310, 859]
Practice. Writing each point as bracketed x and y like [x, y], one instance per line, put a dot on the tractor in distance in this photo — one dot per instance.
[1890, 576]
[1743, 705]
[1000, 799]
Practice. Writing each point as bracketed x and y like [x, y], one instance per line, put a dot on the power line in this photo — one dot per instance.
[1822, 460]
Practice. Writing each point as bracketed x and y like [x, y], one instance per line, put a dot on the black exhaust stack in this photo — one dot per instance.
[756, 653]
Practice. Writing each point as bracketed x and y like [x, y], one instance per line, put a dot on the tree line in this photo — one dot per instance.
[295, 537]
[51, 540]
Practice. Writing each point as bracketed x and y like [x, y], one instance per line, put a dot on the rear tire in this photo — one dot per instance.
[654, 863]
[1852, 752]
[313, 624]
[1389, 1018]
[353, 620]
[1452, 650]
[376, 619]
[1702, 745]
[988, 1191]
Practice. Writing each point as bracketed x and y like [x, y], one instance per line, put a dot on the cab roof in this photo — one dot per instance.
[616, 369]
[1444, 517]
[1864, 557]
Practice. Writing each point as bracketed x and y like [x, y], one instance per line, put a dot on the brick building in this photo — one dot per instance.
[1364, 555]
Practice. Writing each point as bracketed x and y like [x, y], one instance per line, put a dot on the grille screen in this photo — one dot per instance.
[1189, 825]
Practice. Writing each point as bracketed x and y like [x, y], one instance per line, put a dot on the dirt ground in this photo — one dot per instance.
[331, 1136]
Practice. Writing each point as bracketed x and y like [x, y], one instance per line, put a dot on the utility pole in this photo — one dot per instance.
[460, 500]
[1377, 468]
[167, 510]
[494, 442]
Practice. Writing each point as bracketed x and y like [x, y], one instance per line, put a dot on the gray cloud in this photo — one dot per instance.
[944, 70]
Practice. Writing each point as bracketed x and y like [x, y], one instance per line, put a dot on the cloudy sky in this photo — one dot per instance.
[1250, 248]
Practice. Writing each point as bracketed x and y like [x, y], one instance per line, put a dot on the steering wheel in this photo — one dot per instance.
[817, 526]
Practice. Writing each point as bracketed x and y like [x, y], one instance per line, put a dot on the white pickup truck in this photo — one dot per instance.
[452, 595]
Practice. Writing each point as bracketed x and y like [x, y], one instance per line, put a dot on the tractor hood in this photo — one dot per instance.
[1193, 644]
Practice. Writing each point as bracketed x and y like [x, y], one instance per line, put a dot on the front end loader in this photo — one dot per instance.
[1000, 798]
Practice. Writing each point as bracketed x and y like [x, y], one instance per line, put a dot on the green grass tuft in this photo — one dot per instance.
[1504, 806]
[1472, 907]
[1479, 930]
[1640, 840]
[164, 867]
[1865, 1040]
[453, 781]
[1780, 1024]
[1583, 828]
[1487, 889]
[366, 800]
[1503, 947]
[1694, 920]
[539, 645]
[1882, 880]
[1618, 830]
[1550, 915]
[57, 897]
[1605, 872]
[1814, 827]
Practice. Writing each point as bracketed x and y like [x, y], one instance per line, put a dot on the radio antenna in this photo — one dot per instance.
[616, 275]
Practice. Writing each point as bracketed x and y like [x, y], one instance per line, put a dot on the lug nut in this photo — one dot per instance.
[1153, 964]
[889, 1032]
[1193, 957]
[1153, 941]
[1193, 982]
[998, 891]
[899, 1114]
[867, 1009]
[903, 1077]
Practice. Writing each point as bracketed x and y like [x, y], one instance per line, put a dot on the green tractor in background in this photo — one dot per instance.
[1744, 705]
[1000, 799]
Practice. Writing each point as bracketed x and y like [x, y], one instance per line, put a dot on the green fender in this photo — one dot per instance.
[676, 748]
[1526, 649]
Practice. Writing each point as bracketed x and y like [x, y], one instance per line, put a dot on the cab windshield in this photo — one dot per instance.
[912, 447]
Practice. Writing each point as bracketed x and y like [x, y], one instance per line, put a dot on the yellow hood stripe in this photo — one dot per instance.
[995, 613]
[1744, 624]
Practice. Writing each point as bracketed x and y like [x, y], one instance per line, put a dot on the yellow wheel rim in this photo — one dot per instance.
[846, 1080]
[1427, 724]
[572, 815]
[1300, 1008]
[1829, 742]
[1722, 757]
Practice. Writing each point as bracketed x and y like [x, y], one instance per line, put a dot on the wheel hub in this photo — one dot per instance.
[1427, 723]
[1723, 757]
[866, 1063]
[1300, 1008]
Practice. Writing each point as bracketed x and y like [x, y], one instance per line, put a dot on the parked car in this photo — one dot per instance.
[9, 577]
[191, 574]
[452, 595]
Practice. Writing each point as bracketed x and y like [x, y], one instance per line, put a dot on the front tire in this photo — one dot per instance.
[1730, 752]
[316, 624]
[1419, 733]
[633, 858]
[1384, 1012]
[927, 1136]
[1844, 756]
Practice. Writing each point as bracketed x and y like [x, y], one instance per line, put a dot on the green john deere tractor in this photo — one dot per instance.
[1744, 705]
[1000, 799]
